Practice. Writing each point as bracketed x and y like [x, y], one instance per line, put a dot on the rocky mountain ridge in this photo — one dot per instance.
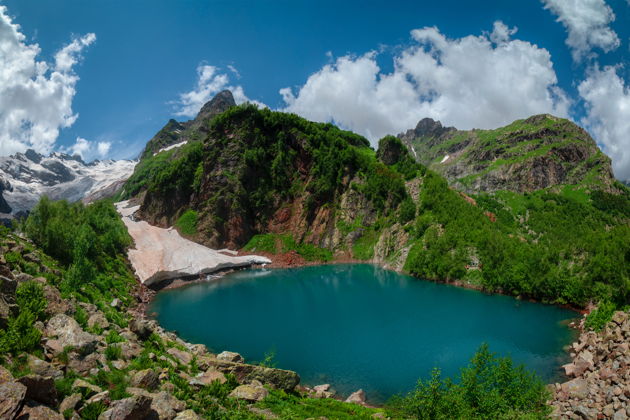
[25, 177]
[539, 152]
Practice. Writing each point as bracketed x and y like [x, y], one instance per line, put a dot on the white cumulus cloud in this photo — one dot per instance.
[35, 96]
[210, 81]
[607, 99]
[88, 150]
[476, 81]
[587, 23]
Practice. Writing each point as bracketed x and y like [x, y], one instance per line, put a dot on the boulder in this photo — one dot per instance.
[12, 396]
[43, 368]
[229, 356]
[182, 356]
[34, 411]
[576, 388]
[101, 396]
[285, 380]
[251, 392]
[207, 377]
[140, 327]
[8, 305]
[70, 402]
[129, 349]
[39, 388]
[133, 408]
[166, 406]
[187, 415]
[5, 375]
[98, 320]
[147, 379]
[85, 365]
[69, 333]
[55, 303]
[357, 397]
[322, 391]
[85, 387]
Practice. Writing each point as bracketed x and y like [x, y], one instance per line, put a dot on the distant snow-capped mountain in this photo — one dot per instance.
[25, 177]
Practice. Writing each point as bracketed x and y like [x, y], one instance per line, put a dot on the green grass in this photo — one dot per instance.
[293, 407]
[275, 244]
[187, 223]
[363, 248]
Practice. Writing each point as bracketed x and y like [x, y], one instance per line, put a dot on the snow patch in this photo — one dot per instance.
[445, 159]
[172, 146]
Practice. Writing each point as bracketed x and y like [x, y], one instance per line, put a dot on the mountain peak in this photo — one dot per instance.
[428, 127]
[220, 103]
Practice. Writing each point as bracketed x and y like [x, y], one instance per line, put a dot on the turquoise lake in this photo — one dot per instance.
[359, 326]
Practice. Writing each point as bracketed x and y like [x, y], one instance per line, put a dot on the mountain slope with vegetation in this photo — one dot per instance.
[539, 152]
[271, 181]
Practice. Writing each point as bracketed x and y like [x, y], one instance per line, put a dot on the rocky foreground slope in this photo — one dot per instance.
[527, 155]
[104, 361]
[600, 388]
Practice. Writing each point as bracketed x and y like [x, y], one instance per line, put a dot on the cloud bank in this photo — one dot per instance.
[35, 96]
[480, 81]
[607, 98]
[587, 23]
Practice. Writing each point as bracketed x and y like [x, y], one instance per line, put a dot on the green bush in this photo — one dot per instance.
[490, 387]
[599, 317]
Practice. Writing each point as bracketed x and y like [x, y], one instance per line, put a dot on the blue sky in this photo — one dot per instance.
[349, 62]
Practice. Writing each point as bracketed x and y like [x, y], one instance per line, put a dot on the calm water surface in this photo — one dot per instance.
[359, 326]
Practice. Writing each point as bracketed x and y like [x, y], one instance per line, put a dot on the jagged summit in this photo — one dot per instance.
[535, 153]
[175, 132]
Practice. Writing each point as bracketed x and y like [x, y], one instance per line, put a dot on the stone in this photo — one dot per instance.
[182, 356]
[357, 397]
[98, 320]
[116, 303]
[69, 333]
[12, 396]
[229, 356]
[70, 402]
[147, 379]
[285, 380]
[620, 414]
[166, 406]
[576, 388]
[322, 391]
[586, 413]
[133, 408]
[35, 411]
[249, 393]
[5, 375]
[8, 306]
[141, 328]
[85, 365]
[101, 396]
[619, 317]
[86, 387]
[43, 368]
[129, 349]
[39, 388]
[55, 303]
[207, 377]
[187, 415]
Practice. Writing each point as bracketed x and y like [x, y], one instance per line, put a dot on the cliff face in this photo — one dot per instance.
[539, 152]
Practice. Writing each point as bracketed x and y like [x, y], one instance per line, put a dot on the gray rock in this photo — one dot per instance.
[43, 368]
[69, 333]
[207, 377]
[147, 379]
[35, 411]
[166, 406]
[133, 408]
[12, 396]
[183, 356]
[141, 328]
[229, 356]
[98, 319]
[251, 392]
[187, 415]
[86, 387]
[5, 375]
[357, 397]
[70, 402]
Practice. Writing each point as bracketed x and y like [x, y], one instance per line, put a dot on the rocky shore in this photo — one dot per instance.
[600, 371]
